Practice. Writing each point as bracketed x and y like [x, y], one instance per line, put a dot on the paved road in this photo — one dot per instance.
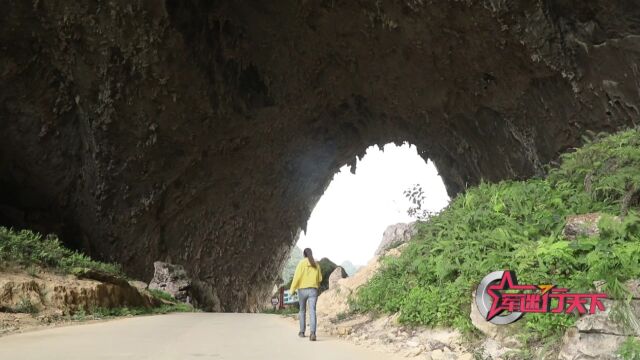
[180, 336]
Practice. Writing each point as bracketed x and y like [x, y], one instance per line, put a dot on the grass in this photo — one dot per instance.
[133, 311]
[33, 252]
[630, 349]
[163, 295]
[29, 250]
[25, 306]
[107, 313]
[342, 316]
[289, 310]
[518, 225]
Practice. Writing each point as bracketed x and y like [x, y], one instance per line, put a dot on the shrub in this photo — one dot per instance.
[630, 349]
[162, 295]
[25, 306]
[28, 249]
[518, 225]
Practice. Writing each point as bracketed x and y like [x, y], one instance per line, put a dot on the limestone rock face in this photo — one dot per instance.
[171, 279]
[598, 336]
[395, 235]
[601, 322]
[336, 275]
[67, 294]
[586, 346]
[203, 133]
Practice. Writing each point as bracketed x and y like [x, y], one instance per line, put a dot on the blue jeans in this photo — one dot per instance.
[310, 294]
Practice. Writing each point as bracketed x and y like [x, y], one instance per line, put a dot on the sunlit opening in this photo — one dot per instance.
[348, 221]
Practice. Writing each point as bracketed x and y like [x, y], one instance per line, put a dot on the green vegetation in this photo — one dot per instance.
[28, 249]
[289, 310]
[518, 225]
[31, 251]
[105, 313]
[25, 306]
[131, 311]
[630, 349]
[163, 295]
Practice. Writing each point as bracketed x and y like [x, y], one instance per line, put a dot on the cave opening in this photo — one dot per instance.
[347, 224]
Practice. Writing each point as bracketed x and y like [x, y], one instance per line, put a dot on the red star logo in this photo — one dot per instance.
[508, 282]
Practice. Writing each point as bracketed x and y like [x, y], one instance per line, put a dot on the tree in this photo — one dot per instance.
[417, 198]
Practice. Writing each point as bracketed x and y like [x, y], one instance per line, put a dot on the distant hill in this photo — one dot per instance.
[350, 268]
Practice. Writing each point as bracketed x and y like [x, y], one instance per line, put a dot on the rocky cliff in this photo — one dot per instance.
[202, 132]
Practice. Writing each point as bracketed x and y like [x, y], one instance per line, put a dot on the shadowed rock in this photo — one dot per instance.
[336, 275]
[171, 279]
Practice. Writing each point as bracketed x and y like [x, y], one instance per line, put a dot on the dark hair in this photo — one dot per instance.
[307, 253]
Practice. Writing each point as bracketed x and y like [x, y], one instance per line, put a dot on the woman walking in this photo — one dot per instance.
[306, 281]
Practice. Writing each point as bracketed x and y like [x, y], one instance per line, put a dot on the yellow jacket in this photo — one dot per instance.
[306, 276]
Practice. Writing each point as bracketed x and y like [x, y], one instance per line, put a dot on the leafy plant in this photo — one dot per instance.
[416, 197]
[630, 349]
[79, 315]
[162, 295]
[518, 225]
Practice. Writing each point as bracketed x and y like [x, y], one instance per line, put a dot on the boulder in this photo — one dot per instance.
[491, 349]
[634, 288]
[582, 225]
[577, 345]
[328, 267]
[396, 235]
[413, 352]
[503, 334]
[337, 274]
[602, 323]
[171, 279]
[578, 225]
[444, 354]
[598, 336]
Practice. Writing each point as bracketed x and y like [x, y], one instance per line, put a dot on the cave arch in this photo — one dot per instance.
[348, 221]
[202, 132]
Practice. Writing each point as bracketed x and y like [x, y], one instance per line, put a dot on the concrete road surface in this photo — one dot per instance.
[181, 336]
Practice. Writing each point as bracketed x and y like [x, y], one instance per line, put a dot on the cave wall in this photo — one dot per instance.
[203, 132]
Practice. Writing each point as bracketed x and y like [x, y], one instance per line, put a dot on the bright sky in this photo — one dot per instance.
[348, 221]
